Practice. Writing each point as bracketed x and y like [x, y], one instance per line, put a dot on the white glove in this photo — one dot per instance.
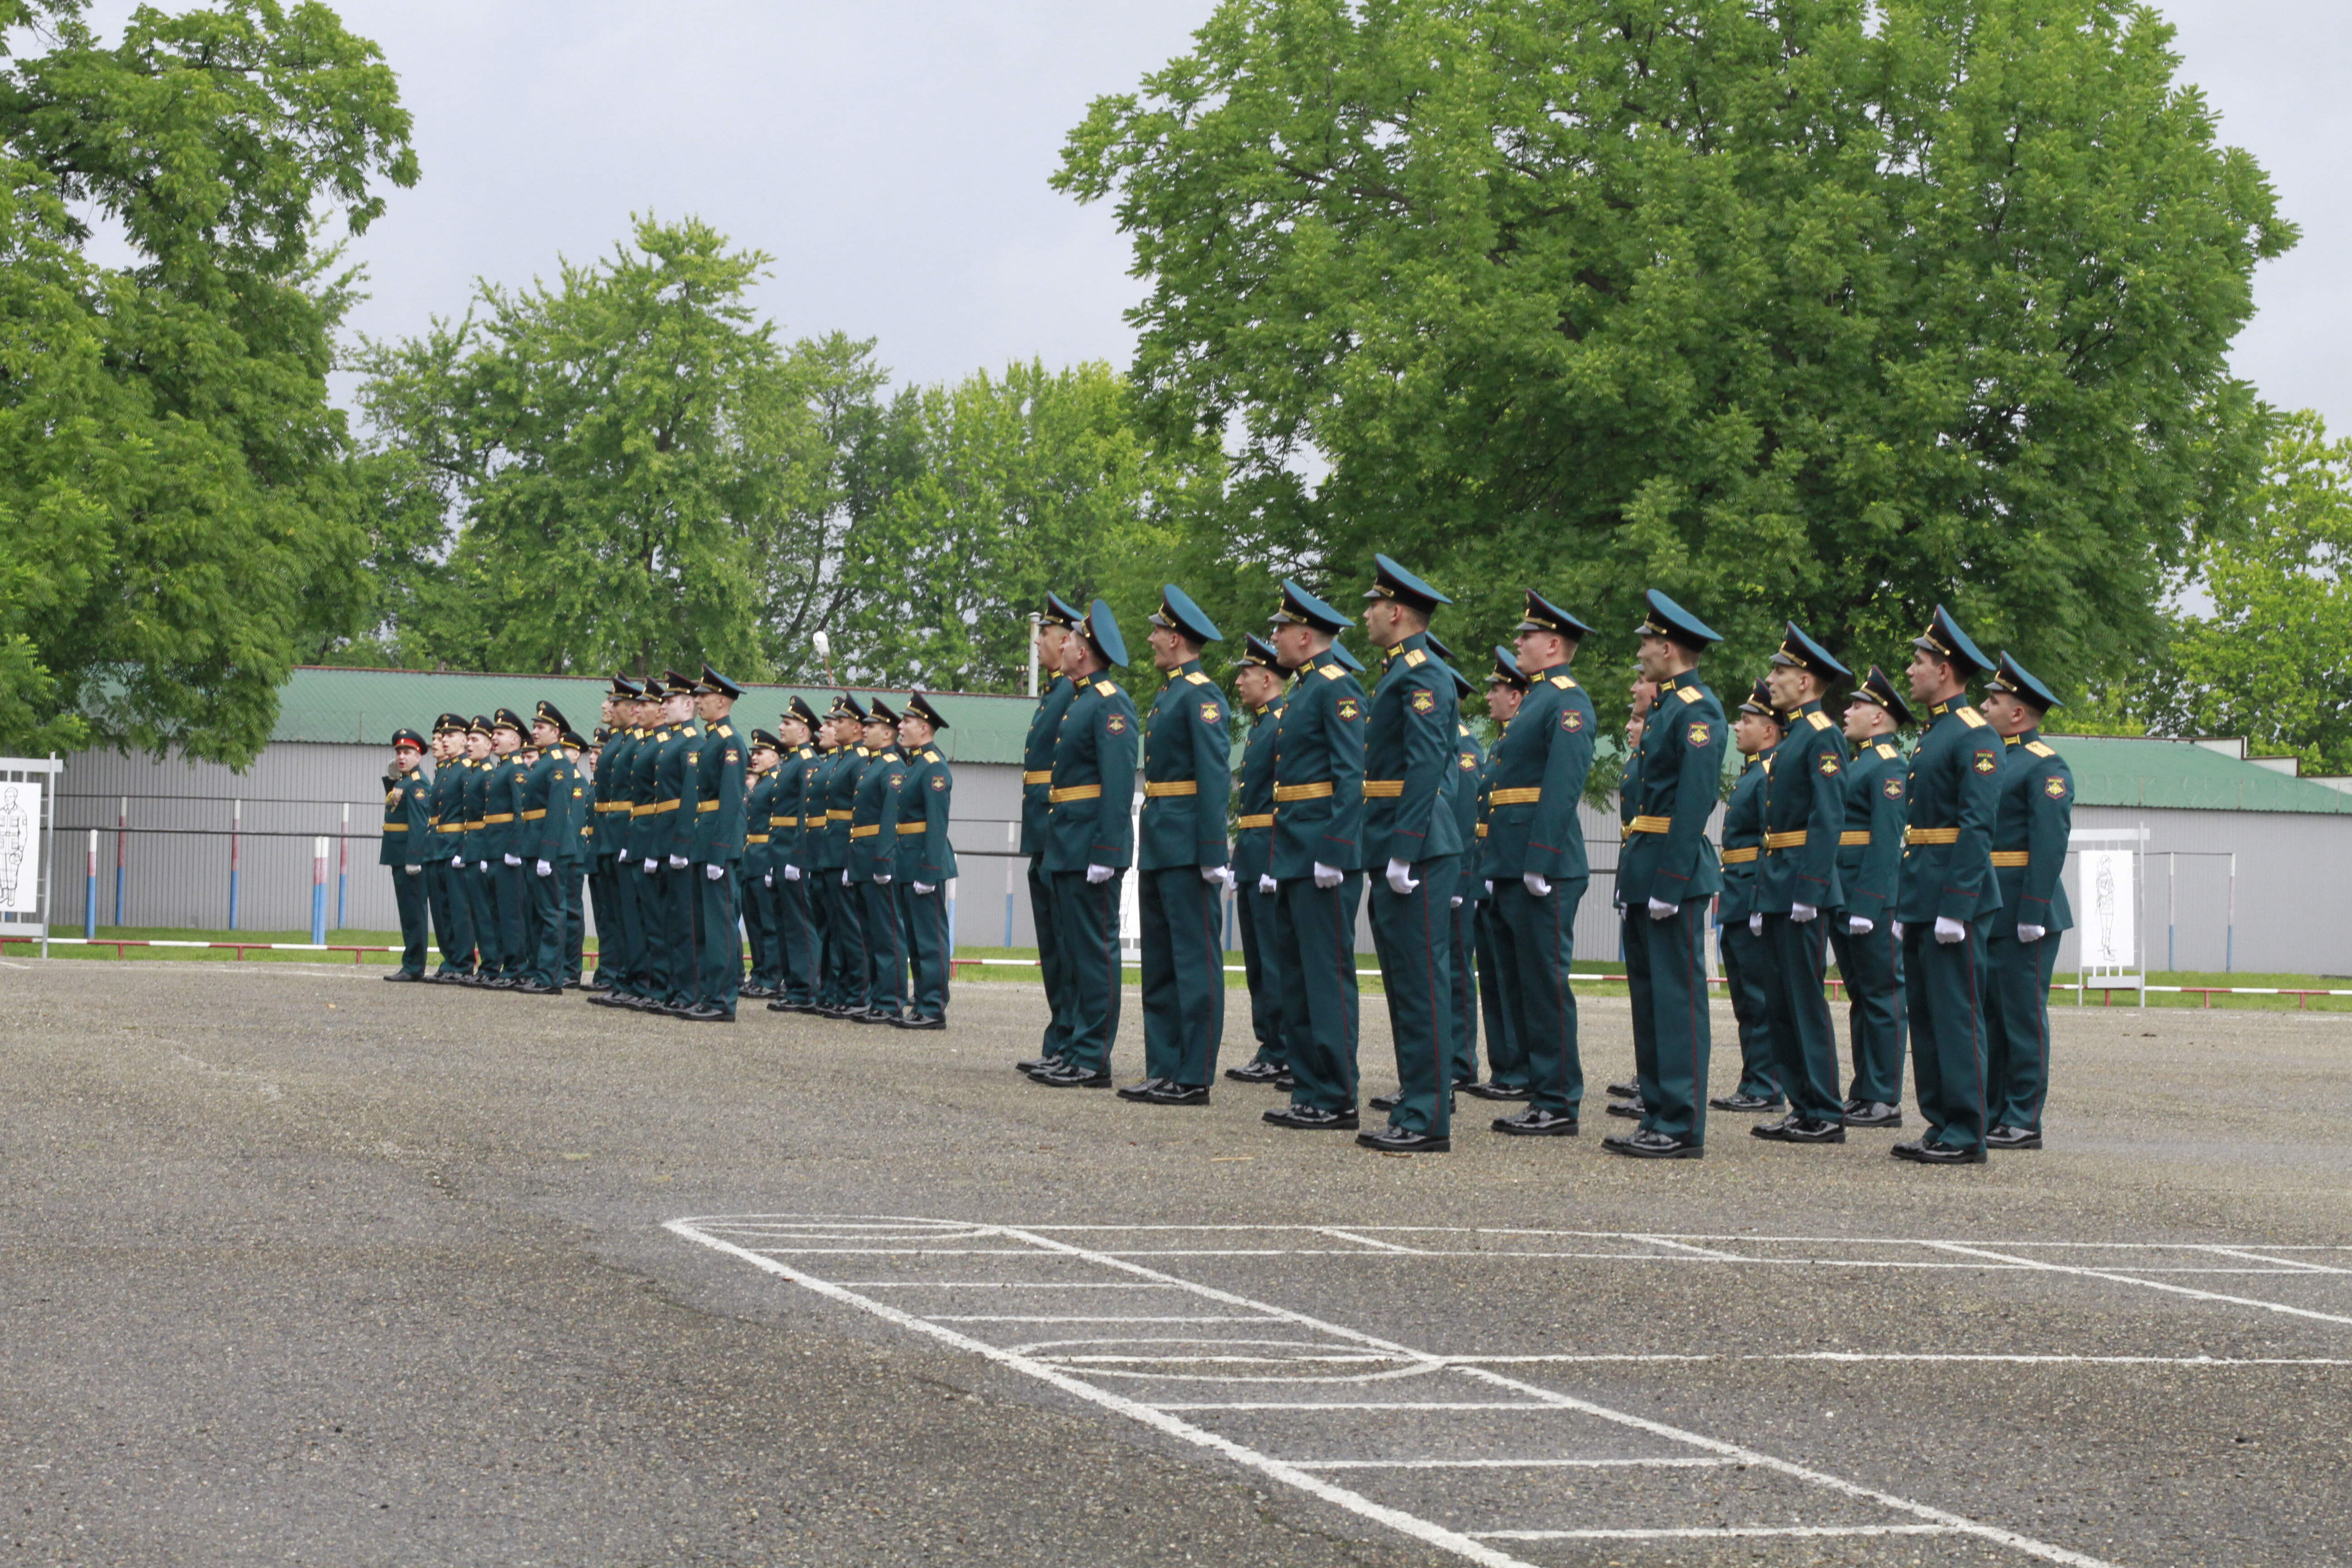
[1755, 925]
[1098, 875]
[1949, 931]
[882, 881]
[1860, 925]
[1662, 910]
[1538, 886]
[1801, 913]
[1269, 885]
[457, 862]
[415, 870]
[1217, 876]
[1456, 902]
[845, 876]
[649, 863]
[716, 872]
[483, 867]
[624, 857]
[1897, 929]
[1327, 876]
[1490, 888]
[2030, 932]
[544, 869]
[1399, 876]
[678, 862]
[925, 890]
[791, 873]
[769, 880]
[512, 860]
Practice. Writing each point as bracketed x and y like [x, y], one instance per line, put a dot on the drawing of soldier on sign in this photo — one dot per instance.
[15, 843]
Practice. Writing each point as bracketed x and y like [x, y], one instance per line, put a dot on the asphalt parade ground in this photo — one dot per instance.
[305, 1267]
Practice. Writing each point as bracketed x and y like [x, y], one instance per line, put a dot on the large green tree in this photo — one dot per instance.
[177, 524]
[1814, 308]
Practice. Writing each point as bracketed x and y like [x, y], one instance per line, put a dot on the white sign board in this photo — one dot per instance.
[20, 848]
[2104, 908]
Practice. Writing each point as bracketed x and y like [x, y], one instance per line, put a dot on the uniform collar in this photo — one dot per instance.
[1327, 659]
[1419, 640]
[1813, 707]
[1669, 684]
[1937, 709]
[2025, 736]
[1190, 666]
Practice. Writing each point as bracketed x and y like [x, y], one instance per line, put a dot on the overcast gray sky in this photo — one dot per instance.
[892, 155]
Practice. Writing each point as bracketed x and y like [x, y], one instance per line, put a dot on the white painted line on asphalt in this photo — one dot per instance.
[2279, 1307]
[1351, 1404]
[2260, 1258]
[990, 1317]
[995, 1285]
[1707, 1252]
[1721, 1530]
[1709, 1463]
[1337, 1235]
[1929, 1356]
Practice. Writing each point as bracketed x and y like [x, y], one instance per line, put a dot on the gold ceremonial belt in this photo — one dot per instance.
[1037, 776]
[1302, 792]
[1793, 839]
[395, 828]
[1178, 786]
[1384, 789]
[612, 806]
[1739, 856]
[907, 828]
[499, 816]
[838, 816]
[449, 827]
[2019, 858]
[1651, 825]
[755, 839]
[475, 826]
[1074, 792]
[1850, 839]
[538, 816]
[706, 805]
[1931, 835]
[654, 810]
[871, 830]
[784, 822]
[1482, 830]
[1246, 822]
[1527, 796]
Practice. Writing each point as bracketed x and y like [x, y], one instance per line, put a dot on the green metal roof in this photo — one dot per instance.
[2175, 775]
[365, 706]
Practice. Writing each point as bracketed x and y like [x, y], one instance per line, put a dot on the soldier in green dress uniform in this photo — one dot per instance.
[927, 862]
[502, 844]
[1506, 1059]
[1641, 695]
[625, 791]
[1181, 861]
[715, 850]
[1535, 857]
[760, 931]
[615, 914]
[1666, 875]
[1948, 894]
[874, 867]
[581, 850]
[2036, 813]
[1796, 892]
[1757, 729]
[832, 795]
[791, 833]
[452, 911]
[1869, 867]
[1318, 860]
[1411, 830]
[1469, 886]
[1054, 625]
[1260, 686]
[547, 838]
[1089, 844]
[407, 822]
[473, 869]
[678, 796]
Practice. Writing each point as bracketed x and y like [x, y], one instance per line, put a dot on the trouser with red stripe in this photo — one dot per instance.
[1943, 983]
[1506, 1064]
[1413, 935]
[1665, 971]
[2017, 1015]
[1183, 974]
[1314, 944]
[1086, 916]
[1536, 942]
[1463, 1066]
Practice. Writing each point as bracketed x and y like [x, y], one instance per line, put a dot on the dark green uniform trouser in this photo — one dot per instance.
[1507, 1062]
[797, 937]
[1535, 943]
[1087, 922]
[1804, 1045]
[513, 900]
[884, 989]
[673, 890]
[575, 923]
[717, 932]
[604, 895]
[475, 878]
[923, 925]
[550, 919]
[648, 955]
[1043, 887]
[1183, 972]
[757, 937]
[1463, 1065]
[409, 892]
[1665, 971]
[845, 964]
[2017, 1011]
[1745, 959]
[453, 916]
[1315, 942]
[1943, 987]
[1253, 913]
[1413, 935]
[1872, 968]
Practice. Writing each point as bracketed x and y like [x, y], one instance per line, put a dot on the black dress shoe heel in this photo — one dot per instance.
[1311, 1119]
[1397, 1140]
[1534, 1123]
[1384, 1103]
[1648, 1145]
[2013, 1138]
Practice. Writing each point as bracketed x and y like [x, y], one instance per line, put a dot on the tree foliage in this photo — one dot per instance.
[1816, 309]
[175, 521]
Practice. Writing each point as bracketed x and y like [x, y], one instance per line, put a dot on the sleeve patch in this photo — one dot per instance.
[1116, 723]
[1469, 763]
[732, 755]
[1210, 713]
[939, 781]
[1348, 707]
[1828, 763]
[1572, 720]
[1891, 789]
[1425, 700]
[1699, 733]
[2054, 787]
[1986, 763]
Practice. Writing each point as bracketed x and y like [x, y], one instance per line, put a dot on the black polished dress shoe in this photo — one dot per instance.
[1748, 1102]
[1462, 1083]
[401, 977]
[2013, 1138]
[1534, 1123]
[1397, 1140]
[1872, 1113]
[1499, 1091]
[1258, 1071]
[503, 983]
[1168, 1091]
[1386, 1102]
[1137, 1091]
[917, 1021]
[1926, 1153]
[1044, 1065]
[1648, 1145]
[1799, 1129]
[1625, 1091]
[1035, 1064]
[533, 988]
[594, 987]
[1287, 1081]
[1628, 1108]
[709, 1013]
[758, 992]
[1069, 1075]
[1310, 1119]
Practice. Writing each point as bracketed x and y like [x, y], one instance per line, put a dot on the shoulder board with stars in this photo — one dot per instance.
[1565, 683]
[1887, 751]
[1333, 672]
[1104, 688]
[725, 730]
[1970, 717]
[1687, 693]
[1414, 658]
[1197, 679]
[2039, 750]
[1818, 720]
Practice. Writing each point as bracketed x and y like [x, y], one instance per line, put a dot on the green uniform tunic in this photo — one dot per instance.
[649, 973]
[872, 868]
[1746, 956]
[1187, 752]
[846, 967]
[2035, 814]
[677, 763]
[1036, 787]
[1668, 858]
[715, 868]
[1318, 818]
[1253, 904]
[790, 835]
[616, 913]
[474, 879]
[1870, 865]
[509, 876]
[927, 860]
[1804, 811]
[453, 911]
[1954, 787]
[407, 829]
[1088, 824]
[759, 892]
[555, 801]
[1498, 1000]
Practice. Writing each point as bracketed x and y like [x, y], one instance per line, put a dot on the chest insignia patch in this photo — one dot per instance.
[1891, 789]
[1986, 763]
[1424, 701]
[1572, 720]
[1697, 735]
[1348, 708]
[2055, 788]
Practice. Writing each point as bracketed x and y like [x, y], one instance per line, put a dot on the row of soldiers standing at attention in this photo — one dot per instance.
[1937, 876]
[825, 844]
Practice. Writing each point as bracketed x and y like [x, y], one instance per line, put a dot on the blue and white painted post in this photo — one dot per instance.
[319, 891]
[90, 891]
